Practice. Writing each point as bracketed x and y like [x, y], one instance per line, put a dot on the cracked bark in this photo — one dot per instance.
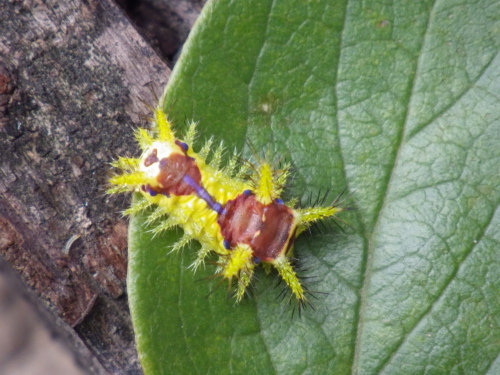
[71, 76]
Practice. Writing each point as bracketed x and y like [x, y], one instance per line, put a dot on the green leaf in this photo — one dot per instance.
[398, 102]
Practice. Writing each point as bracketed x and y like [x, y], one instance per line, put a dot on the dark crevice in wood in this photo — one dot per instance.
[165, 24]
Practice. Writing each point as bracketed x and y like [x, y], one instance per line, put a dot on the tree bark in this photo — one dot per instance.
[73, 78]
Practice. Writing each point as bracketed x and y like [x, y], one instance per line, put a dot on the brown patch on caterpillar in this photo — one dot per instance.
[151, 158]
[172, 172]
[268, 229]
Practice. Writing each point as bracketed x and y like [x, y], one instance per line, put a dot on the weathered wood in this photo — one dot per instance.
[72, 74]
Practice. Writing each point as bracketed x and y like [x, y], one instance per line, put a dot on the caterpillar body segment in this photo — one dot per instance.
[242, 219]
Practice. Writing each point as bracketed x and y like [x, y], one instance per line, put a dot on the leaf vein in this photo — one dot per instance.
[439, 296]
[391, 165]
[438, 114]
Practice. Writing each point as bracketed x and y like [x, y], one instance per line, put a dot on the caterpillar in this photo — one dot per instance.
[234, 211]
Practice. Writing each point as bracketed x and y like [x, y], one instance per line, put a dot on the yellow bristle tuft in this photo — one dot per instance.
[205, 150]
[265, 184]
[126, 164]
[312, 214]
[239, 258]
[190, 134]
[245, 278]
[136, 178]
[144, 138]
[137, 207]
[165, 133]
[287, 273]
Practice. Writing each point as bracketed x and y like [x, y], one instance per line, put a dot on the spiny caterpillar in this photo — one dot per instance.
[237, 215]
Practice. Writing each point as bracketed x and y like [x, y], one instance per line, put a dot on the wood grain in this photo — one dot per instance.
[72, 77]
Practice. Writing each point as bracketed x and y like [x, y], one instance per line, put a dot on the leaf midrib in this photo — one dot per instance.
[369, 245]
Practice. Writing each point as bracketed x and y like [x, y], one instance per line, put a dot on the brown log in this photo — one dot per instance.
[72, 77]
